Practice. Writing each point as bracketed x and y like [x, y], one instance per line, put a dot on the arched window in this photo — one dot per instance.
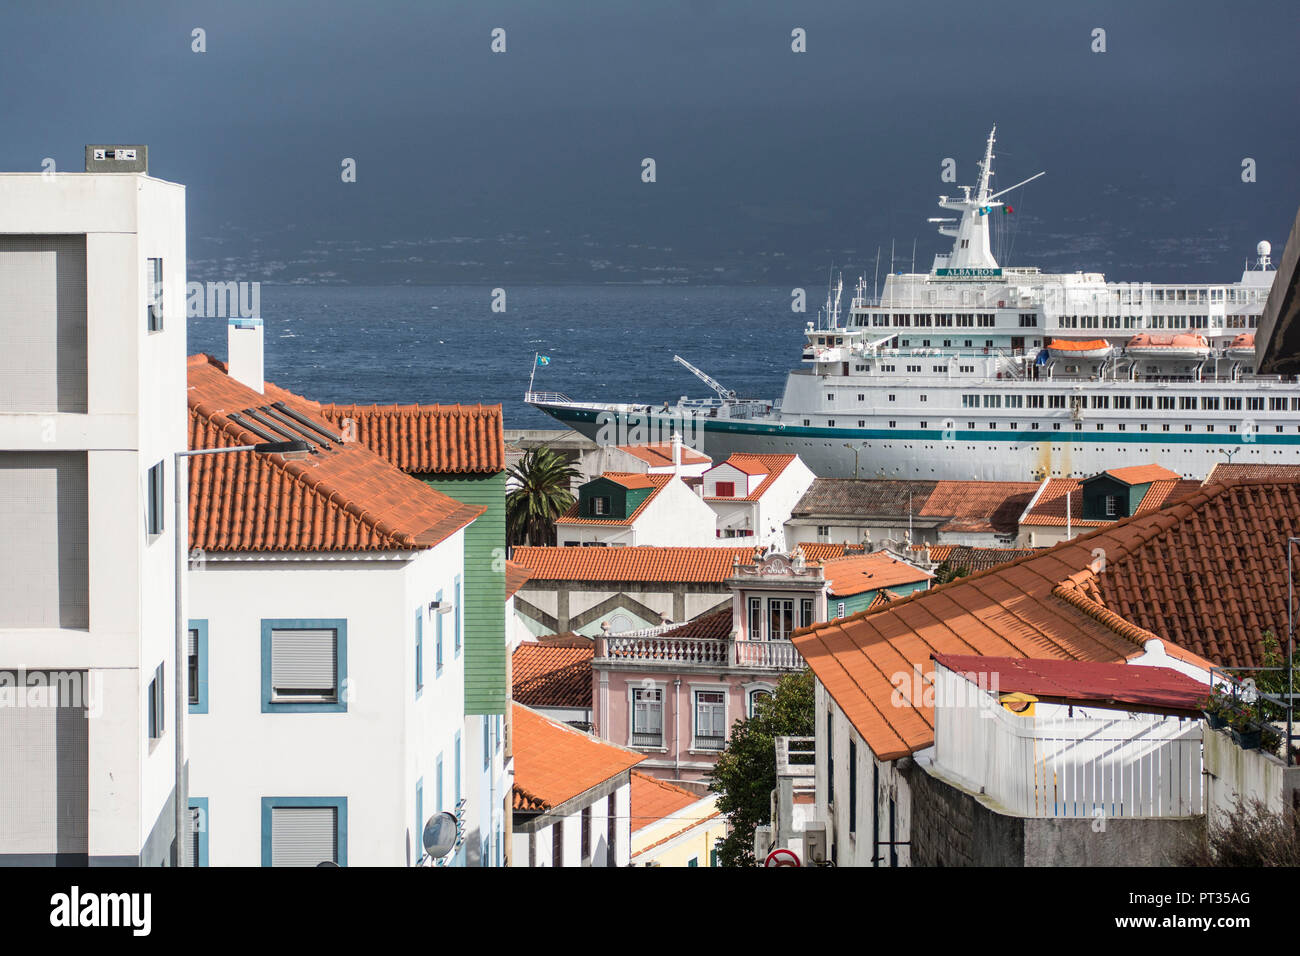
[753, 696]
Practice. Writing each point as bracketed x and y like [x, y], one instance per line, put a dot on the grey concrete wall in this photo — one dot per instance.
[1150, 841]
[1234, 776]
[950, 827]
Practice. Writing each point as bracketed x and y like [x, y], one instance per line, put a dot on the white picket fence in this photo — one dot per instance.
[1130, 766]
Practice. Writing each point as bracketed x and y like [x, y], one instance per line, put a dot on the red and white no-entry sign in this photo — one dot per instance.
[782, 857]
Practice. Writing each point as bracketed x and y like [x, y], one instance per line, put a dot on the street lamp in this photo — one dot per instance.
[857, 450]
[289, 449]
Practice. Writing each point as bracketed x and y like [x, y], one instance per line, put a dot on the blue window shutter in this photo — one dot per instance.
[437, 632]
[458, 766]
[456, 612]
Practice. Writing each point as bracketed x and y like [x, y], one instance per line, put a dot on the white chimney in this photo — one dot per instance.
[677, 453]
[244, 351]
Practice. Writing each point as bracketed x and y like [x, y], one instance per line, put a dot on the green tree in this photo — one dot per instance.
[745, 775]
[946, 572]
[541, 480]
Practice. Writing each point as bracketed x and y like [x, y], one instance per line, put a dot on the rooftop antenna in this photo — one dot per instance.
[875, 283]
[913, 255]
[1069, 526]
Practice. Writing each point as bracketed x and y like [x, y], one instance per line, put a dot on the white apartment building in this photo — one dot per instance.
[328, 711]
[92, 385]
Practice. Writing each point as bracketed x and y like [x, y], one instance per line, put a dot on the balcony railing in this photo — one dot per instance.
[779, 655]
[647, 740]
[676, 650]
[655, 650]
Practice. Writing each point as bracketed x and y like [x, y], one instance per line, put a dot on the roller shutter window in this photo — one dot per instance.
[304, 836]
[192, 665]
[304, 665]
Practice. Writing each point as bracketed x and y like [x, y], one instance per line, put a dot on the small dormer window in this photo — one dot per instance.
[726, 489]
[1112, 506]
[600, 505]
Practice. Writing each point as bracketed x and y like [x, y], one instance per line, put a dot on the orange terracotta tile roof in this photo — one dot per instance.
[660, 454]
[644, 851]
[553, 672]
[938, 552]
[882, 598]
[641, 563]
[628, 480]
[516, 577]
[818, 552]
[634, 479]
[979, 505]
[973, 558]
[653, 799]
[1228, 471]
[344, 498]
[419, 439]
[647, 562]
[866, 572]
[555, 763]
[1141, 474]
[1166, 491]
[1206, 575]
[1050, 508]
[771, 465]
[712, 625]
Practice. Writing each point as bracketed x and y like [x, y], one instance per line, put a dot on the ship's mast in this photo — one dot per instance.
[970, 250]
[986, 168]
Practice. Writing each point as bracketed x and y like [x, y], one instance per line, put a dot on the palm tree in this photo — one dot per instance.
[541, 494]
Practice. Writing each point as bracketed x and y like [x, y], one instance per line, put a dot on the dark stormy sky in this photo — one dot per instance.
[771, 166]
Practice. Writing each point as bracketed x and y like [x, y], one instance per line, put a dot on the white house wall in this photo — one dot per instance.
[540, 840]
[858, 847]
[779, 500]
[375, 752]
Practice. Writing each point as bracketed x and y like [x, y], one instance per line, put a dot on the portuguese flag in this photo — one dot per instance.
[1007, 210]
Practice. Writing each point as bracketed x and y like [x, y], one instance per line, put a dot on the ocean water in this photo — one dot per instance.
[445, 344]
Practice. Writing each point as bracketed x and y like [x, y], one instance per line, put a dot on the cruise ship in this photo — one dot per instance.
[975, 370]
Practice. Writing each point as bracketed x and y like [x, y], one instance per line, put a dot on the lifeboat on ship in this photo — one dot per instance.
[1183, 346]
[1069, 349]
[1242, 348]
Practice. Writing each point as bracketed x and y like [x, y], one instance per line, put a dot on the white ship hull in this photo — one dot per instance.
[1000, 454]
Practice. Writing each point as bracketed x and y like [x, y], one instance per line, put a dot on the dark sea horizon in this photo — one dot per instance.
[426, 344]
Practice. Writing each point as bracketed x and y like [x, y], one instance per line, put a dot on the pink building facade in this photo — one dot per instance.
[673, 693]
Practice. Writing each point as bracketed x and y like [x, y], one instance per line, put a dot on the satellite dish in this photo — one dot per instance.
[327, 863]
[440, 834]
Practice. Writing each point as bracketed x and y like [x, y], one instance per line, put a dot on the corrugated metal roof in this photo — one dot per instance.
[1127, 685]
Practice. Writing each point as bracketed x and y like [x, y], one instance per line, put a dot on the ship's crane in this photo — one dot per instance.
[724, 393]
